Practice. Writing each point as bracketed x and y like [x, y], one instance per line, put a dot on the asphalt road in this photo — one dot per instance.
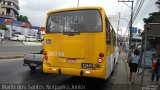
[13, 72]
[20, 48]
[17, 46]
[12, 51]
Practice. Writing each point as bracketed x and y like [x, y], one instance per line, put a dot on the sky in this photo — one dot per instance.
[36, 10]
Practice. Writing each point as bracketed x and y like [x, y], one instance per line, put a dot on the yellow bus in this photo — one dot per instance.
[81, 42]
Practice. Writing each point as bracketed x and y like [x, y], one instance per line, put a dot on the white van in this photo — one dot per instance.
[31, 38]
[18, 37]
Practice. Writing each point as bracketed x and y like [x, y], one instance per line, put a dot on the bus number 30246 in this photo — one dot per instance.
[55, 53]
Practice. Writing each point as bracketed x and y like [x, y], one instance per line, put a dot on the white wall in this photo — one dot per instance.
[8, 33]
[2, 31]
[24, 31]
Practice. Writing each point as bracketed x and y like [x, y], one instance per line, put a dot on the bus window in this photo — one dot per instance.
[108, 37]
[114, 38]
[74, 21]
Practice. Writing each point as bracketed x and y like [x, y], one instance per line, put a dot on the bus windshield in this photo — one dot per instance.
[74, 21]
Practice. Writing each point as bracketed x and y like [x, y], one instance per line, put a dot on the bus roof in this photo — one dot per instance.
[79, 8]
[75, 8]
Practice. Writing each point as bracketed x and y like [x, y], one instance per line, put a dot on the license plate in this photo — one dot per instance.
[71, 60]
[87, 65]
[33, 64]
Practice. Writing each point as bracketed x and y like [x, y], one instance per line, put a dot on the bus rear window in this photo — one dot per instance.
[74, 21]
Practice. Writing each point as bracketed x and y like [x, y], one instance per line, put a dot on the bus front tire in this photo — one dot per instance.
[33, 68]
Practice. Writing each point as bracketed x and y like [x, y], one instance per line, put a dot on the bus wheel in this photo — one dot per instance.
[33, 68]
[114, 64]
[41, 69]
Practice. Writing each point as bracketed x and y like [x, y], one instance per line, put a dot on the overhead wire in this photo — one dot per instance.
[118, 19]
[137, 2]
[136, 12]
[146, 10]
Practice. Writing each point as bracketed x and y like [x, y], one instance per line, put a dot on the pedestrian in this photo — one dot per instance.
[156, 64]
[0, 39]
[158, 59]
[134, 64]
[129, 59]
[124, 47]
[154, 68]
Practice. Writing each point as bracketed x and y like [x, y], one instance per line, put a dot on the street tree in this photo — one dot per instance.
[154, 17]
[158, 4]
[23, 18]
[3, 27]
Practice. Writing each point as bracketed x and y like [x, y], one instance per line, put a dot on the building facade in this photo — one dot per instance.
[0, 6]
[9, 8]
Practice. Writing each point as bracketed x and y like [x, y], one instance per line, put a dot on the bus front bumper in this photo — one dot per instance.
[100, 73]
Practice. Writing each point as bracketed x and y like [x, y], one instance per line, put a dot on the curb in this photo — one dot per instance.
[32, 43]
[11, 57]
[128, 73]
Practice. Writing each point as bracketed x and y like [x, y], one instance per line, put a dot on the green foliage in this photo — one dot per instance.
[23, 18]
[158, 4]
[3, 27]
[153, 18]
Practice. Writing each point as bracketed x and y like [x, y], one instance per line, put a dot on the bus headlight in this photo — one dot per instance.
[99, 60]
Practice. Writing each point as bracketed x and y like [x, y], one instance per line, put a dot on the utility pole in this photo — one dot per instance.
[118, 22]
[78, 3]
[118, 27]
[121, 32]
[12, 24]
[131, 22]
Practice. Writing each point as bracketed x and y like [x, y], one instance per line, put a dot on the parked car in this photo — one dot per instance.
[31, 38]
[33, 60]
[18, 37]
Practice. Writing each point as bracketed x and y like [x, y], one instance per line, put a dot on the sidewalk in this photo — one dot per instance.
[32, 43]
[11, 43]
[11, 55]
[147, 84]
[20, 43]
[17, 54]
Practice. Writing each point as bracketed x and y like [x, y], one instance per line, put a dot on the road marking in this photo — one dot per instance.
[15, 59]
